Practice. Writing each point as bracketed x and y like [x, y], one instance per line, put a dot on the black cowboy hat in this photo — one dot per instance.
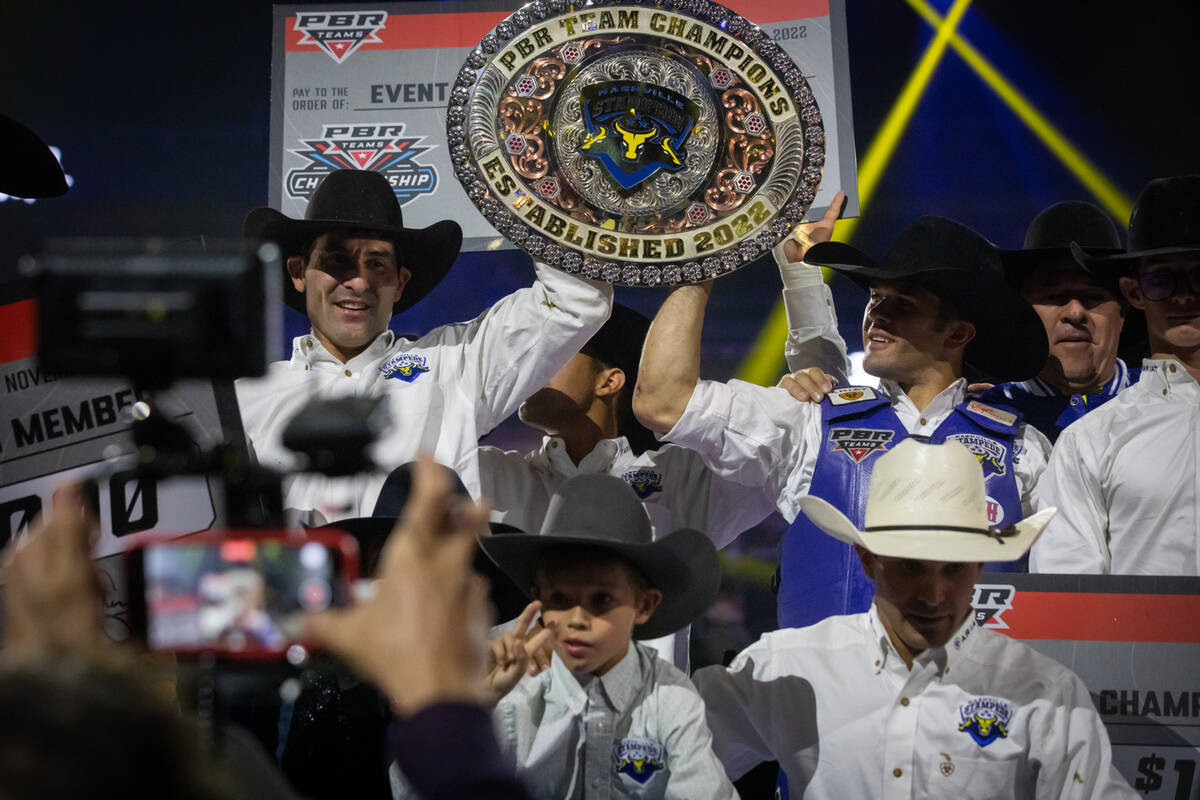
[28, 167]
[371, 533]
[1165, 220]
[359, 200]
[618, 343]
[1049, 236]
[961, 267]
[602, 511]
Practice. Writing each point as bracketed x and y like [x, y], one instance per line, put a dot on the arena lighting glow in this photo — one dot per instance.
[762, 364]
[1103, 189]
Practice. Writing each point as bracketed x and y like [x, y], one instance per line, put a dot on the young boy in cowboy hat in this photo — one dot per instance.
[608, 718]
[1124, 478]
[586, 413]
[937, 302]
[351, 264]
[911, 698]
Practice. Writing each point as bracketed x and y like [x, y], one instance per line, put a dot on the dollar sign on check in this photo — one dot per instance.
[1149, 767]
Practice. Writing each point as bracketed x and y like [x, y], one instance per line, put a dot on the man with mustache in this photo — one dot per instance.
[937, 301]
[1124, 478]
[350, 264]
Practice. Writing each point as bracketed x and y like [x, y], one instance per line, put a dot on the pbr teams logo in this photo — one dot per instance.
[406, 367]
[991, 454]
[990, 603]
[985, 719]
[643, 481]
[340, 33]
[858, 443]
[380, 148]
[638, 759]
[636, 129]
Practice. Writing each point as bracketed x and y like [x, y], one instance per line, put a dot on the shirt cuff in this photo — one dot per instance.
[447, 749]
[796, 274]
[692, 427]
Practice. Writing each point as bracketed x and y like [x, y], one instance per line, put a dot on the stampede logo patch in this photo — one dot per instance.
[638, 759]
[985, 719]
[643, 481]
[636, 129]
[340, 34]
[990, 603]
[380, 148]
[990, 453]
[404, 366]
[858, 443]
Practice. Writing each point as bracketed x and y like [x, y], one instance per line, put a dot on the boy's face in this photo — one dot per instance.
[903, 335]
[596, 607]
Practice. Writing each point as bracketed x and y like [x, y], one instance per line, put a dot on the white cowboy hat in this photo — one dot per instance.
[928, 502]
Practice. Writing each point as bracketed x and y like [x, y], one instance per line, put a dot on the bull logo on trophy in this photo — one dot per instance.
[635, 130]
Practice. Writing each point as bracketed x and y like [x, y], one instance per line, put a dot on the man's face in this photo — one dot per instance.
[921, 602]
[903, 334]
[596, 607]
[1173, 322]
[569, 393]
[1083, 324]
[349, 286]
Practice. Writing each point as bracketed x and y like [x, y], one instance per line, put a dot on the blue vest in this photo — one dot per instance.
[1049, 410]
[821, 576]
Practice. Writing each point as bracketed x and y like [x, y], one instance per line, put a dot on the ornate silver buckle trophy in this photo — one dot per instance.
[636, 143]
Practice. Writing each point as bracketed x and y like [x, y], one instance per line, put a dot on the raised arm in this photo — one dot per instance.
[813, 338]
[670, 363]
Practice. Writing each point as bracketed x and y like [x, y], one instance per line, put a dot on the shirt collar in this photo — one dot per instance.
[1165, 377]
[944, 401]
[600, 461]
[1040, 388]
[308, 351]
[884, 653]
[620, 684]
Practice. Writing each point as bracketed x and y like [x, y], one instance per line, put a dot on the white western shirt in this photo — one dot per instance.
[444, 390]
[676, 489]
[761, 436]
[1126, 482]
[636, 731]
[983, 717]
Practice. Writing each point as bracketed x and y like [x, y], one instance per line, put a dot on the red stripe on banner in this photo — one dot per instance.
[18, 321]
[1104, 617]
[465, 29]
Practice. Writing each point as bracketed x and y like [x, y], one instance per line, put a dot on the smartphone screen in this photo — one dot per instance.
[237, 595]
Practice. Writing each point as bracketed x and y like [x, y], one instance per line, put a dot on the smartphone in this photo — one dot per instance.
[236, 593]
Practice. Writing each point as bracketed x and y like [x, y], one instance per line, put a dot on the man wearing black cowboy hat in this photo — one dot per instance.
[1124, 477]
[937, 301]
[587, 415]
[1084, 318]
[350, 264]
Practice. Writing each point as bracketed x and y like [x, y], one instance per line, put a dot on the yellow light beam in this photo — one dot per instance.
[761, 365]
[1109, 196]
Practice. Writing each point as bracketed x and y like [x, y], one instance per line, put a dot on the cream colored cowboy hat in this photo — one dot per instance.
[928, 502]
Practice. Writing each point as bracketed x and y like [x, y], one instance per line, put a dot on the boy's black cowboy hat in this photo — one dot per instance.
[1165, 220]
[961, 267]
[602, 511]
[359, 200]
[1049, 236]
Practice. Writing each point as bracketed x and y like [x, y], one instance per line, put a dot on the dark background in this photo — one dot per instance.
[162, 115]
